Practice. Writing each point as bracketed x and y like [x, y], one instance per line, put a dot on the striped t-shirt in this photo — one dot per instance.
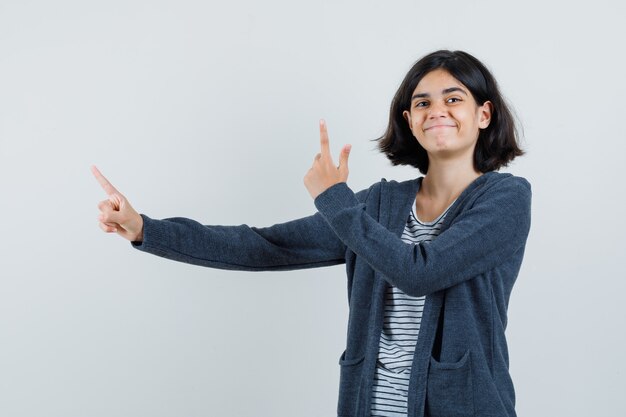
[401, 326]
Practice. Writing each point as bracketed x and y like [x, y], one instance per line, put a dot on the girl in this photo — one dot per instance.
[430, 262]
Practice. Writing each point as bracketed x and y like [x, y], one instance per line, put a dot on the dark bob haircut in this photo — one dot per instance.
[497, 144]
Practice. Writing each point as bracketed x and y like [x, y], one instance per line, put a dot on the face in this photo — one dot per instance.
[444, 117]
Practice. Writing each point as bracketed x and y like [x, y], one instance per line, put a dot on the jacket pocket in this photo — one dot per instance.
[349, 385]
[449, 388]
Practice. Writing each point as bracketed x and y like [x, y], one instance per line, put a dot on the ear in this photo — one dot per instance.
[485, 114]
[407, 116]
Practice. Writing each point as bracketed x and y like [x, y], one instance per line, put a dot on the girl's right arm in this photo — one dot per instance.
[304, 243]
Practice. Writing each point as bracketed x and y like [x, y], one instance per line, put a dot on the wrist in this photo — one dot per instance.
[139, 236]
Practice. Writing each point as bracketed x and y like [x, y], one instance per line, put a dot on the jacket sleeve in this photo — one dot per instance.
[480, 238]
[308, 242]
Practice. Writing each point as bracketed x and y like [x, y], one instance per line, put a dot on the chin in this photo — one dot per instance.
[442, 144]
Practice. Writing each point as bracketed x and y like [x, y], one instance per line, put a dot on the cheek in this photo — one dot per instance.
[419, 136]
[416, 123]
[416, 130]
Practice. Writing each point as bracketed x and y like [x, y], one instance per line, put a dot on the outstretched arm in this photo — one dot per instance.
[304, 243]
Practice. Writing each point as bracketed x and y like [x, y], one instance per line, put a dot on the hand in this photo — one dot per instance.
[116, 213]
[324, 173]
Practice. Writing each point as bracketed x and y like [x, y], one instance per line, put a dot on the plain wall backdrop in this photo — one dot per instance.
[209, 110]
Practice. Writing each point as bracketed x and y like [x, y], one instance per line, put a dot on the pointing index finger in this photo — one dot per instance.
[106, 185]
[324, 138]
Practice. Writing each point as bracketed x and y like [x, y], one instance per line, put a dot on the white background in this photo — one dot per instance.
[209, 110]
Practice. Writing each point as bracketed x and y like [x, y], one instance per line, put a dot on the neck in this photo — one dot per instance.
[446, 179]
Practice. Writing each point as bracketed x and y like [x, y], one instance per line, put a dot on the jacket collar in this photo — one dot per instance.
[397, 198]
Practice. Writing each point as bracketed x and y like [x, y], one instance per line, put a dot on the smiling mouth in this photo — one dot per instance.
[438, 126]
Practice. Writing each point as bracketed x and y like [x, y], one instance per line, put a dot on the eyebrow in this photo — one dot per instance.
[446, 91]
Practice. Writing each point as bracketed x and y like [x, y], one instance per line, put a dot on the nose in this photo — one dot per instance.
[437, 109]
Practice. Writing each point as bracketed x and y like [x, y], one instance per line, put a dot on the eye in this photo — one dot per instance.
[422, 103]
[453, 100]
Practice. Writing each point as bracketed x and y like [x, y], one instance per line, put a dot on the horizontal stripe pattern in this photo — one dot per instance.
[401, 325]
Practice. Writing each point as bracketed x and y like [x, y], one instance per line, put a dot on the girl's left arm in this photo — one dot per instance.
[479, 239]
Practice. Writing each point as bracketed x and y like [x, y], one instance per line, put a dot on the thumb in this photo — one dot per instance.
[343, 160]
[110, 210]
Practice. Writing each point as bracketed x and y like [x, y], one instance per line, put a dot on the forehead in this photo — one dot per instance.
[436, 81]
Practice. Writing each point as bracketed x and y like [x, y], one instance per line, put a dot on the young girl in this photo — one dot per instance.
[430, 262]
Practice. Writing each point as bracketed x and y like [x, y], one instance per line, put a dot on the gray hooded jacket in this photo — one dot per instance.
[460, 367]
